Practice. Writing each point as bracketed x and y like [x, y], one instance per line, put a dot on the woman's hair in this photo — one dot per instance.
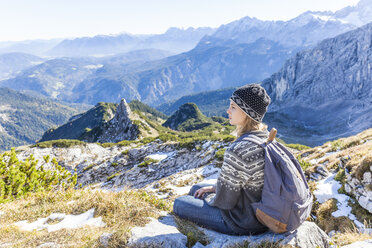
[249, 125]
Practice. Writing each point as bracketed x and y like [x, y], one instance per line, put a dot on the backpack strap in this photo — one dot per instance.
[272, 135]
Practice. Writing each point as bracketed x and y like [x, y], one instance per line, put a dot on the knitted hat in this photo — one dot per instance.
[253, 100]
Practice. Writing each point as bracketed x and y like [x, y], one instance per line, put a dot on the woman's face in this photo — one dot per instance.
[236, 115]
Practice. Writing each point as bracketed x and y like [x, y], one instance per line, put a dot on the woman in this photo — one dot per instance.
[225, 207]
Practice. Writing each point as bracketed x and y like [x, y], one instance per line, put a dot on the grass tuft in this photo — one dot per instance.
[119, 210]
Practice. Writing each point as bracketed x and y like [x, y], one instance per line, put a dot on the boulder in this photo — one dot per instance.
[163, 232]
[160, 232]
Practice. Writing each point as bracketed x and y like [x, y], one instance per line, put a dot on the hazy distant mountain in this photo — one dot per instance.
[12, 63]
[175, 40]
[35, 47]
[23, 119]
[234, 55]
[56, 78]
[203, 68]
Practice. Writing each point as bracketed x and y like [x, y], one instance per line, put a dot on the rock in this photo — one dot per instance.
[160, 233]
[49, 245]
[163, 233]
[322, 170]
[120, 127]
[347, 188]
[365, 202]
[104, 239]
[367, 177]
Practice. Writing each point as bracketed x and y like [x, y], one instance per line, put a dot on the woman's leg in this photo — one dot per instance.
[198, 211]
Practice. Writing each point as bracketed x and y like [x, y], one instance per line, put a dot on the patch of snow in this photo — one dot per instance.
[327, 18]
[211, 179]
[327, 189]
[5, 107]
[36, 62]
[49, 245]
[160, 156]
[2, 130]
[58, 86]
[4, 117]
[68, 221]
[180, 190]
[54, 94]
[93, 66]
[6, 244]
[316, 160]
[360, 244]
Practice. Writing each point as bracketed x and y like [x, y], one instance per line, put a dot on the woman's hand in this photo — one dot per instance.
[201, 192]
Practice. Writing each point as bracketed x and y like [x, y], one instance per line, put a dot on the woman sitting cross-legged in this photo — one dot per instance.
[226, 206]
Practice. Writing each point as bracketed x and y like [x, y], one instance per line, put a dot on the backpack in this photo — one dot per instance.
[286, 199]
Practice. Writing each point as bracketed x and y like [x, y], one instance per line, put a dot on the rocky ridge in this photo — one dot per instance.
[120, 127]
[108, 123]
[326, 90]
[168, 170]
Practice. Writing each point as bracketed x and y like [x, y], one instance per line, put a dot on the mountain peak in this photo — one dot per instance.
[188, 117]
[120, 127]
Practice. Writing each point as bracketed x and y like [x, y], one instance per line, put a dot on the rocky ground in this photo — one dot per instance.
[168, 170]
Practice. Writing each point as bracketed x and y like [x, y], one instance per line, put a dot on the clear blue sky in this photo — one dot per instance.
[33, 19]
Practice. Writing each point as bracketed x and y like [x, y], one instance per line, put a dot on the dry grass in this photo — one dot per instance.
[358, 147]
[350, 235]
[327, 222]
[120, 211]
[263, 244]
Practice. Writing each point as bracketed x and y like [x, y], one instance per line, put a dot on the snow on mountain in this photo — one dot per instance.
[357, 15]
[306, 29]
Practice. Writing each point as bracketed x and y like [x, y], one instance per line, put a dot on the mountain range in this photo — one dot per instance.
[319, 94]
[247, 50]
[174, 40]
[244, 51]
[327, 89]
[305, 30]
[13, 63]
[24, 118]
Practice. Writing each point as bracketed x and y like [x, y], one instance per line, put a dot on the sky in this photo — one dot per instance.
[46, 19]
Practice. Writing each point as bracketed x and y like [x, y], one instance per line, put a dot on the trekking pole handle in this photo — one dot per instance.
[272, 135]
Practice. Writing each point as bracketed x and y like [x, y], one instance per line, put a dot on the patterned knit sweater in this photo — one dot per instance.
[239, 184]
